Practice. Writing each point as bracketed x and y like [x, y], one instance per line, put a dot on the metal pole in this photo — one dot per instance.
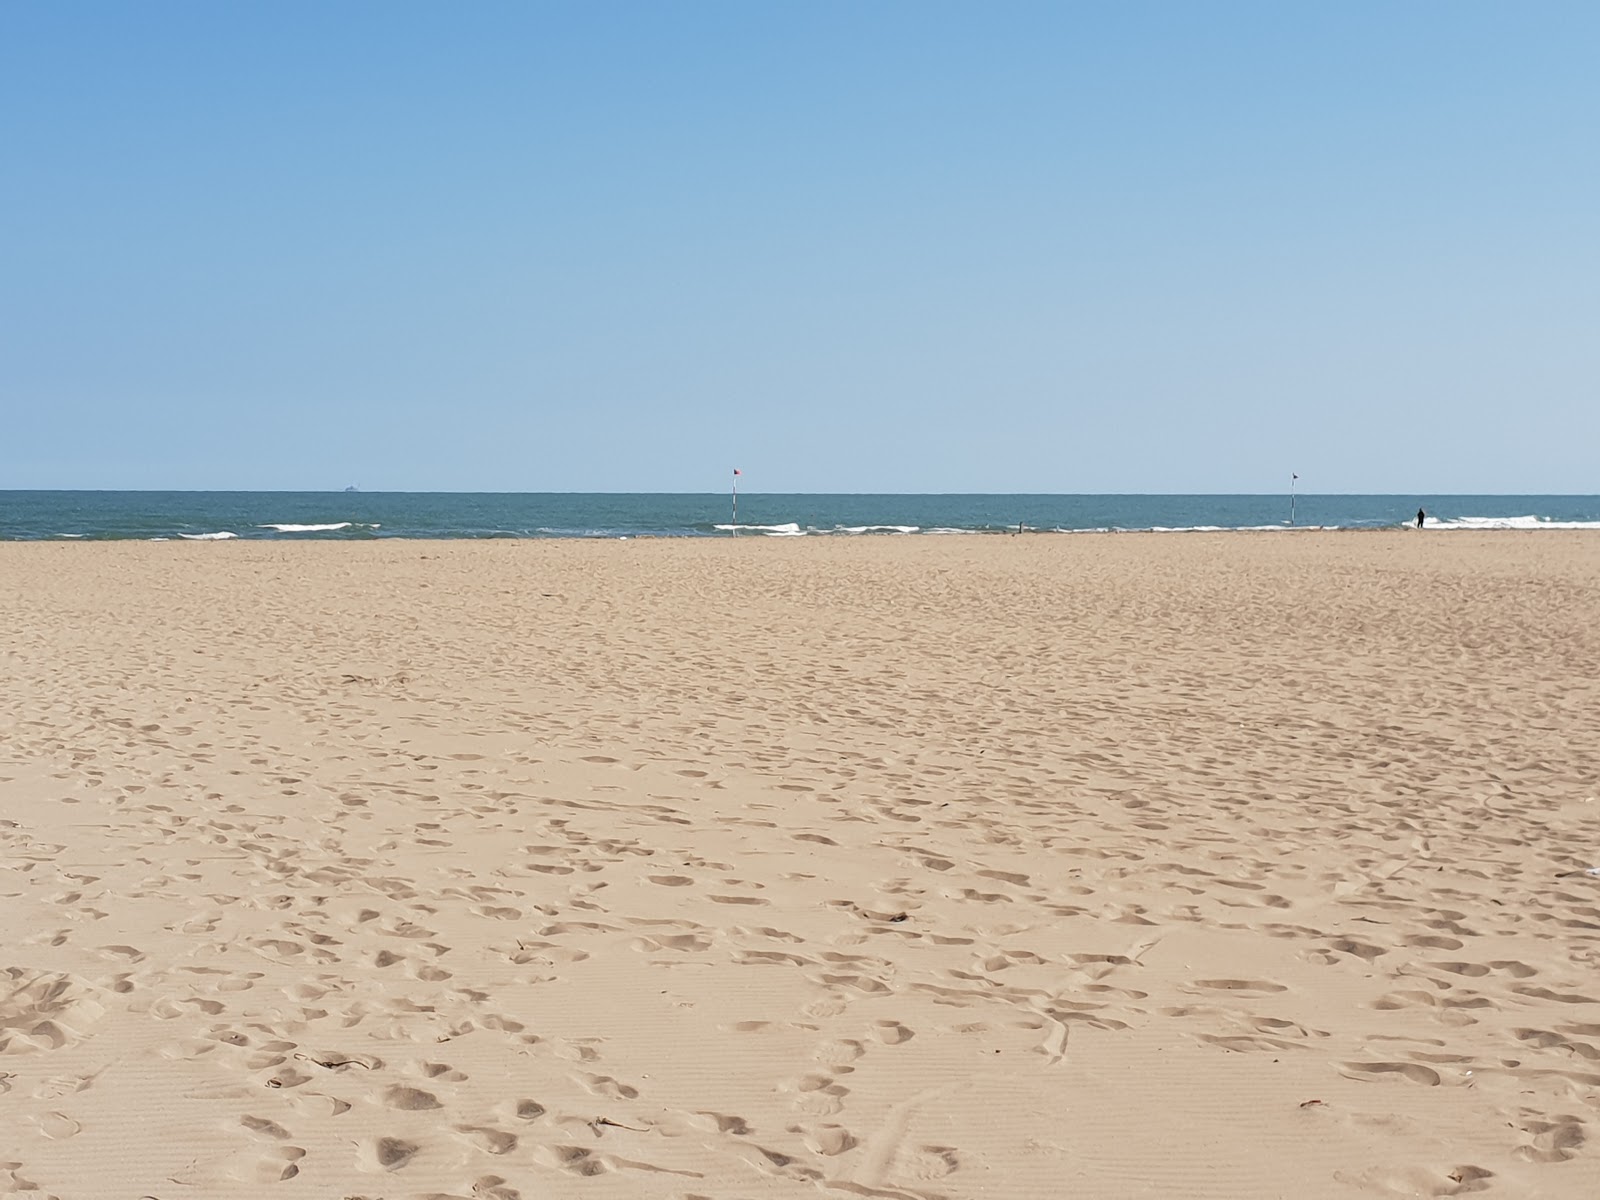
[1292, 480]
[736, 502]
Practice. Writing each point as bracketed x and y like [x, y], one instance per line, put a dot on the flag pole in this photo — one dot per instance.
[736, 502]
[1292, 480]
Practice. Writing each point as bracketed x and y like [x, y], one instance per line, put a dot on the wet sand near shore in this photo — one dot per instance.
[1233, 865]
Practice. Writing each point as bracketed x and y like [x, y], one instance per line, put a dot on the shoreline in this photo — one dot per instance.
[817, 535]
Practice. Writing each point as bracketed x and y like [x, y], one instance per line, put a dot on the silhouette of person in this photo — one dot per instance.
[1420, 516]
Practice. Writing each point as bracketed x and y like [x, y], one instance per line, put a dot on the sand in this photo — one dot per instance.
[1090, 866]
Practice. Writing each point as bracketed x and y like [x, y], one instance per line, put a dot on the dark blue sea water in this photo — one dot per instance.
[34, 516]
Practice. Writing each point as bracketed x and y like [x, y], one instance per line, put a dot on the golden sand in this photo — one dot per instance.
[1102, 866]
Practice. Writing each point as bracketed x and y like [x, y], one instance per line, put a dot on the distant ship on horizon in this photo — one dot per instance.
[352, 488]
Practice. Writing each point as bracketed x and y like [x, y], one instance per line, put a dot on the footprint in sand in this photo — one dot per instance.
[827, 1140]
[13, 1182]
[928, 1162]
[577, 1160]
[487, 1138]
[604, 1085]
[57, 1126]
[168, 1009]
[1432, 942]
[728, 1123]
[892, 1033]
[42, 1012]
[681, 941]
[818, 1093]
[1358, 949]
[839, 1052]
[263, 1127]
[1385, 1072]
[443, 1072]
[272, 1166]
[525, 1110]
[409, 1099]
[319, 1105]
[1552, 1141]
[385, 1153]
[493, 1187]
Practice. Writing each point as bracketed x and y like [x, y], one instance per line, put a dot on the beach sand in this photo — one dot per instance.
[1048, 866]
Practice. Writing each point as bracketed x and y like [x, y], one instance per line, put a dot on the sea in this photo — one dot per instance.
[359, 516]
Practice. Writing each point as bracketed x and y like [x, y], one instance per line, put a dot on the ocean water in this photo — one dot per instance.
[296, 516]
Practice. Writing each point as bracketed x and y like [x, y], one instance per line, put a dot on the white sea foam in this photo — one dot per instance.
[789, 530]
[69, 535]
[792, 529]
[207, 537]
[1280, 528]
[307, 528]
[1528, 522]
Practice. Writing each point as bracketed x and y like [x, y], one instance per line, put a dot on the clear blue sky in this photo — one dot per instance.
[865, 246]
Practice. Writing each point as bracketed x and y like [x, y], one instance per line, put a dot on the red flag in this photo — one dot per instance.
[736, 471]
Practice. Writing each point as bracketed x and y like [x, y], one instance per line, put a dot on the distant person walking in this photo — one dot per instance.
[1420, 517]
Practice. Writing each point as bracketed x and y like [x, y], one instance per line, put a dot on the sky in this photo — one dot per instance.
[845, 247]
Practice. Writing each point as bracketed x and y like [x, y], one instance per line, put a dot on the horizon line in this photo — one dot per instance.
[594, 492]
